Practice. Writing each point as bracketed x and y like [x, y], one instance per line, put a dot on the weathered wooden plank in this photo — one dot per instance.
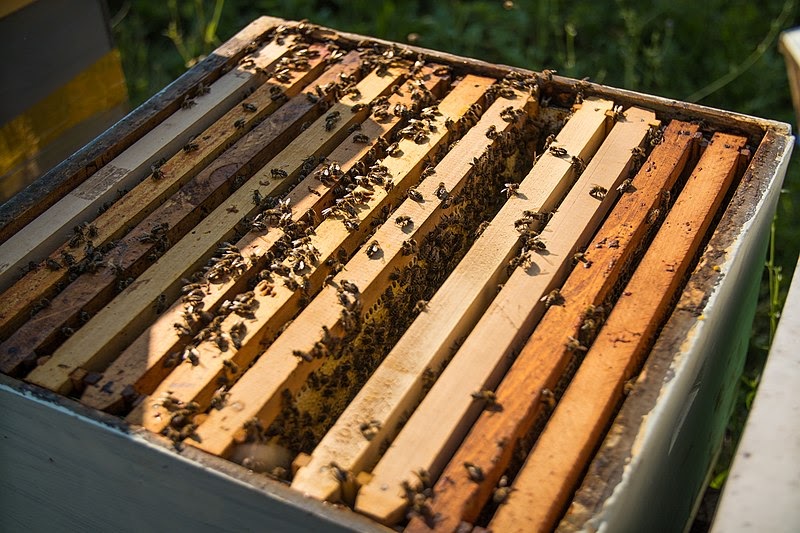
[610, 253]
[131, 255]
[37, 239]
[258, 392]
[431, 435]
[45, 191]
[140, 368]
[395, 387]
[148, 194]
[130, 312]
[557, 460]
[198, 383]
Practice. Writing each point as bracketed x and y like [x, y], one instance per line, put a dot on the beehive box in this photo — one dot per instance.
[434, 292]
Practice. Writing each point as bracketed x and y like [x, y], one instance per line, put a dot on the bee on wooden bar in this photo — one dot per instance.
[360, 138]
[548, 399]
[278, 173]
[191, 354]
[415, 195]
[502, 491]
[421, 306]
[552, 298]
[487, 396]
[558, 151]
[577, 163]
[239, 124]
[155, 169]
[191, 146]
[188, 102]
[616, 113]
[547, 74]
[580, 257]
[331, 119]
[625, 186]
[574, 345]
[511, 189]
[373, 249]
[250, 108]
[409, 247]
[161, 303]
[403, 221]
[230, 365]
[358, 107]
[52, 264]
[441, 192]
[393, 150]
[220, 398]
[370, 429]
[598, 191]
[474, 472]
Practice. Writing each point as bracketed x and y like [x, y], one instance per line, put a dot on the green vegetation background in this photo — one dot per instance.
[720, 53]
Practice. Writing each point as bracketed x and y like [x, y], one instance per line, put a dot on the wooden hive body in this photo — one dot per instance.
[420, 286]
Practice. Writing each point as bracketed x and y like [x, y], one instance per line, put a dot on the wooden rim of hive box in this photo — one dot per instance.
[636, 438]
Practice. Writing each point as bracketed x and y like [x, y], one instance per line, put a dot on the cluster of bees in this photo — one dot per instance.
[369, 334]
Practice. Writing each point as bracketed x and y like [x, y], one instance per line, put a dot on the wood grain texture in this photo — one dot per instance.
[395, 386]
[553, 467]
[45, 191]
[457, 496]
[258, 392]
[141, 365]
[433, 432]
[42, 235]
[198, 383]
[150, 193]
[181, 212]
[129, 313]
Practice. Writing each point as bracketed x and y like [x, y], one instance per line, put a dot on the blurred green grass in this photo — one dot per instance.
[720, 53]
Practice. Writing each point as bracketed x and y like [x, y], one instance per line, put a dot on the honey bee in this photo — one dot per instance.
[616, 113]
[157, 172]
[358, 107]
[393, 150]
[574, 345]
[52, 264]
[598, 191]
[370, 429]
[491, 132]
[474, 472]
[502, 491]
[313, 98]
[420, 306]
[278, 173]
[191, 146]
[403, 221]
[511, 189]
[360, 138]
[441, 192]
[625, 186]
[373, 249]
[548, 399]
[558, 151]
[161, 303]
[409, 247]
[239, 124]
[415, 195]
[188, 102]
[552, 298]
[489, 397]
[578, 164]
[331, 119]
[250, 108]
